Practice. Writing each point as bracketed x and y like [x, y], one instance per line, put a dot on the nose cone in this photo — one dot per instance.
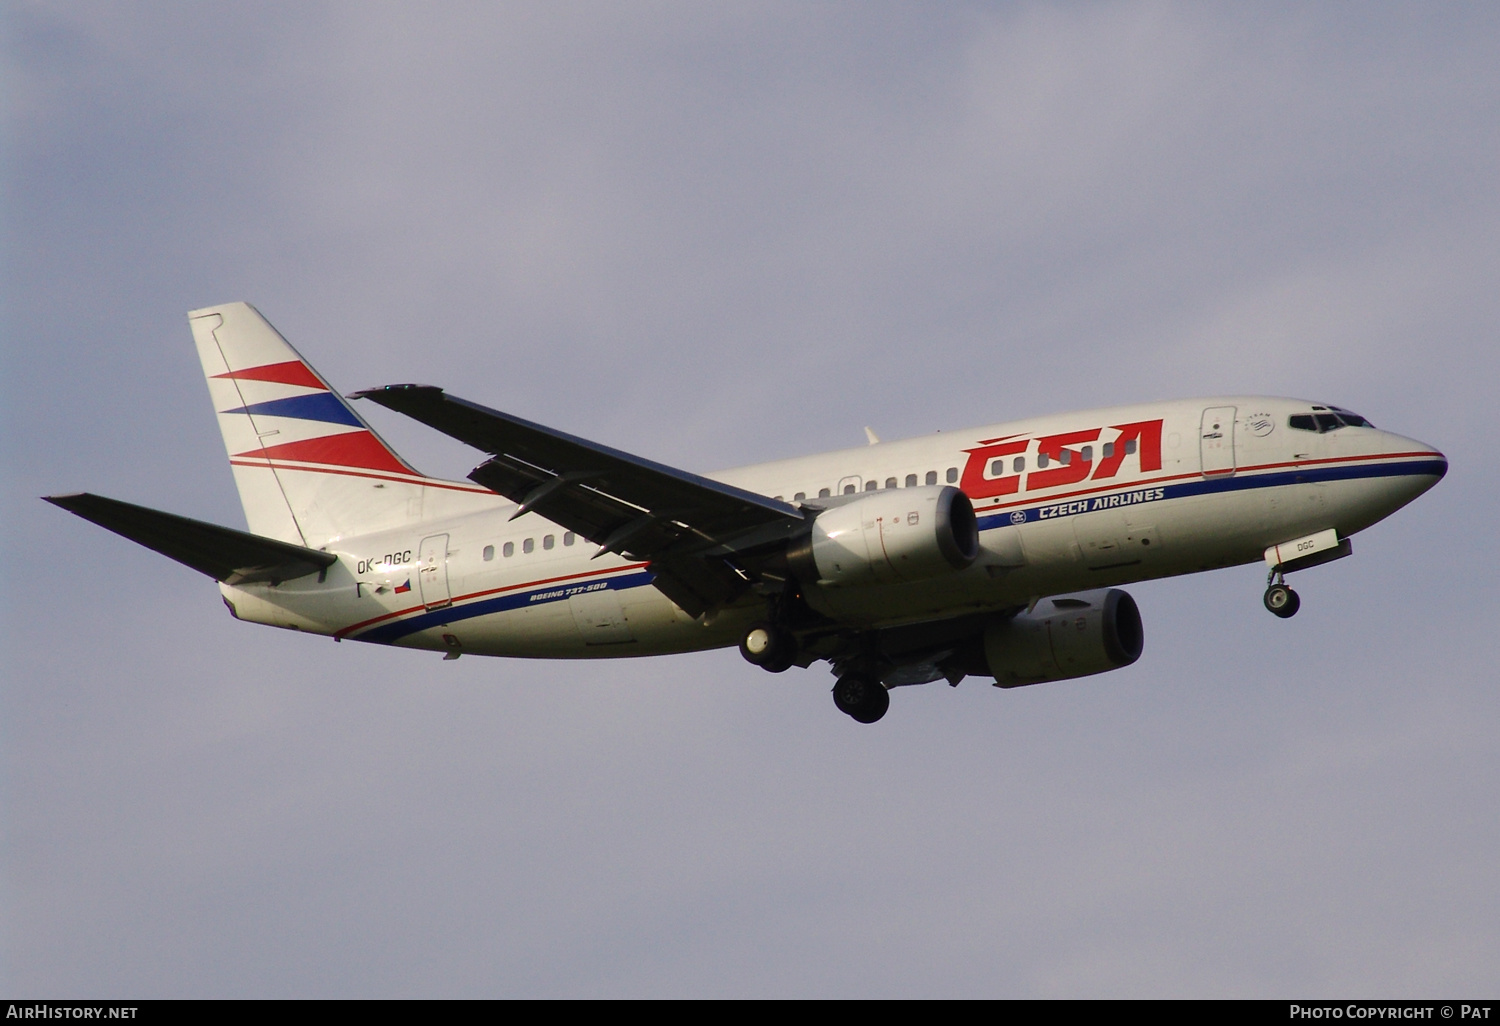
[1372, 473]
[1441, 463]
[1416, 465]
[1427, 461]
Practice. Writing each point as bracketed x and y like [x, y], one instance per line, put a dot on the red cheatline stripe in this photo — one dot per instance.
[351, 449]
[293, 372]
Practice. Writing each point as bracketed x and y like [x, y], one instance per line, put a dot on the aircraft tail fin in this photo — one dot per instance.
[308, 468]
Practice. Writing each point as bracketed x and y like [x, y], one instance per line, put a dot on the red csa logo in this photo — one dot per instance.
[1073, 464]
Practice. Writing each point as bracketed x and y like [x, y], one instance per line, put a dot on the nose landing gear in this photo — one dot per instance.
[861, 697]
[1280, 599]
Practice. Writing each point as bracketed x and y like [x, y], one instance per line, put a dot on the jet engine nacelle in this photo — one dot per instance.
[898, 534]
[1063, 637]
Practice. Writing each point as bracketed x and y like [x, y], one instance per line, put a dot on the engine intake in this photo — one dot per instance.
[905, 534]
[1064, 637]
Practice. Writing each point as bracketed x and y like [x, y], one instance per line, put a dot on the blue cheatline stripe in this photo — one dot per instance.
[1128, 496]
[389, 632]
[324, 406]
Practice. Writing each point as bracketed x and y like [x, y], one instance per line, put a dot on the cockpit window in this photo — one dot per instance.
[1331, 420]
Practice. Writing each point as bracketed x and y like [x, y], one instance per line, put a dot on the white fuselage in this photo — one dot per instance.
[1064, 504]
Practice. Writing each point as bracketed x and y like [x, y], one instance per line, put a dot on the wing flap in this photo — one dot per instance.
[698, 586]
[234, 557]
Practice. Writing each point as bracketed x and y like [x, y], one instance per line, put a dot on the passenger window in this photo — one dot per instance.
[569, 538]
[529, 545]
[871, 485]
[548, 541]
[890, 482]
[1109, 450]
[1041, 460]
[997, 468]
[489, 553]
[508, 549]
[1087, 454]
[932, 477]
[1130, 447]
[848, 489]
[799, 496]
[1066, 459]
[952, 475]
[911, 480]
[1018, 464]
[823, 493]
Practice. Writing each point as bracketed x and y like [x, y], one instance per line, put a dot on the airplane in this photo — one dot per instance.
[995, 552]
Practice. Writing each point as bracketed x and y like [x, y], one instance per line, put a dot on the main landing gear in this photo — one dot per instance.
[864, 698]
[769, 646]
[858, 693]
[1280, 599]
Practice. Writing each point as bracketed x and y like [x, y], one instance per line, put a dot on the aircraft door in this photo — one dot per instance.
[432, 572]
[1216, 441]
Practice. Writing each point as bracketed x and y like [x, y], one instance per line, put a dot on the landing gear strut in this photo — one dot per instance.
[769, 646]
[863, 698]
[1280, 599]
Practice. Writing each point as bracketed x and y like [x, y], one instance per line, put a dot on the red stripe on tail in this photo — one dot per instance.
[351, 449]
[293, 372]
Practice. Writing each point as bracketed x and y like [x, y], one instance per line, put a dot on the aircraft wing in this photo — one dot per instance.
[234, 557]
[699, 535]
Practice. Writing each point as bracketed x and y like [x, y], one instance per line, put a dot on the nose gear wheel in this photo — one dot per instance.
[1279, 599]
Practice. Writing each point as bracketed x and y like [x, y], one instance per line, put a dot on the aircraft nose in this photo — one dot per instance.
[1425, 462]
[1437, 462]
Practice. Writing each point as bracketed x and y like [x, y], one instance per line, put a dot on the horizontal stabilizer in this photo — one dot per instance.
[234, 557]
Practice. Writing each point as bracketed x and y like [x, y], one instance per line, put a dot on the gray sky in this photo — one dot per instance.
[714, 235]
